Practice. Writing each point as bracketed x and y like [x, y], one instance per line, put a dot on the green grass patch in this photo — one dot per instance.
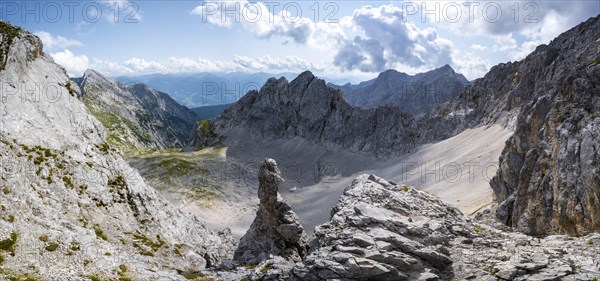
[198, 276]
[266, 268]
[75, 246]
[68, 182]
[70, 89]
[117, 183]
[92, 277]
[100, 233]
[479, 229]
[250, 266]
[177, 167]
[9, 244]
[155, 246]
[52, 246]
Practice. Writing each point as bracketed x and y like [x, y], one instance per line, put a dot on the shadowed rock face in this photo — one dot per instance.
[549, 176]
[307, 108]
[275, 230]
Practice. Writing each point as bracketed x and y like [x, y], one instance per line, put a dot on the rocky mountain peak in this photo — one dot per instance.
[309, 109]
[418, 94]
[276, 230]
[306, 76]
[390, 74]
[16, 43]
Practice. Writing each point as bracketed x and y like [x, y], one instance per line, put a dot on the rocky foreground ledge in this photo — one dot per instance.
[380, 230]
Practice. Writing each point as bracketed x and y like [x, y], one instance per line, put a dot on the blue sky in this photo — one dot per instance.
[350, 39]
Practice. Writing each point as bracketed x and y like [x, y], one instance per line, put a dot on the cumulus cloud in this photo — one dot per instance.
[478, 47]
[363, 54]
[52, 42]
[504, 43]
[260, 19]
[75, 65]
[263, 22]
[389, 40]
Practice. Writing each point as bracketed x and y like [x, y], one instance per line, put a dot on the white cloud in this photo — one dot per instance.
[389, 40]
[471, 66]
[550, 27]
[258, 18]
[478, 47]
[52, 42]
[75, 65]
[137, 66]
[83, 28]
[504, 42]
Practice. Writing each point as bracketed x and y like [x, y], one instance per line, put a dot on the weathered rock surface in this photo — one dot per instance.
[415, 94]
[383, 231]
[137, 117]
[549, 176]
[380, 231]
[70, 206]
[275, 230]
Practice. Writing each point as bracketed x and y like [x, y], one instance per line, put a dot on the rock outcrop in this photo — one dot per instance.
[276, 230]
[549, 176]
[137, 117]
[71, 207]
[383, 231]
[415, 94]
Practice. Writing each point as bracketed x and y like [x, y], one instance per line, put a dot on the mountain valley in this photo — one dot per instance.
[402, 177]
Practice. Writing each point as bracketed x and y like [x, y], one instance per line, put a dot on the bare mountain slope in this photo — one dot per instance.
[71, 207]
[137, 116]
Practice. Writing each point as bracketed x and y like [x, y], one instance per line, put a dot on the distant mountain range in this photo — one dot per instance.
[414, 94]
[205, 89]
